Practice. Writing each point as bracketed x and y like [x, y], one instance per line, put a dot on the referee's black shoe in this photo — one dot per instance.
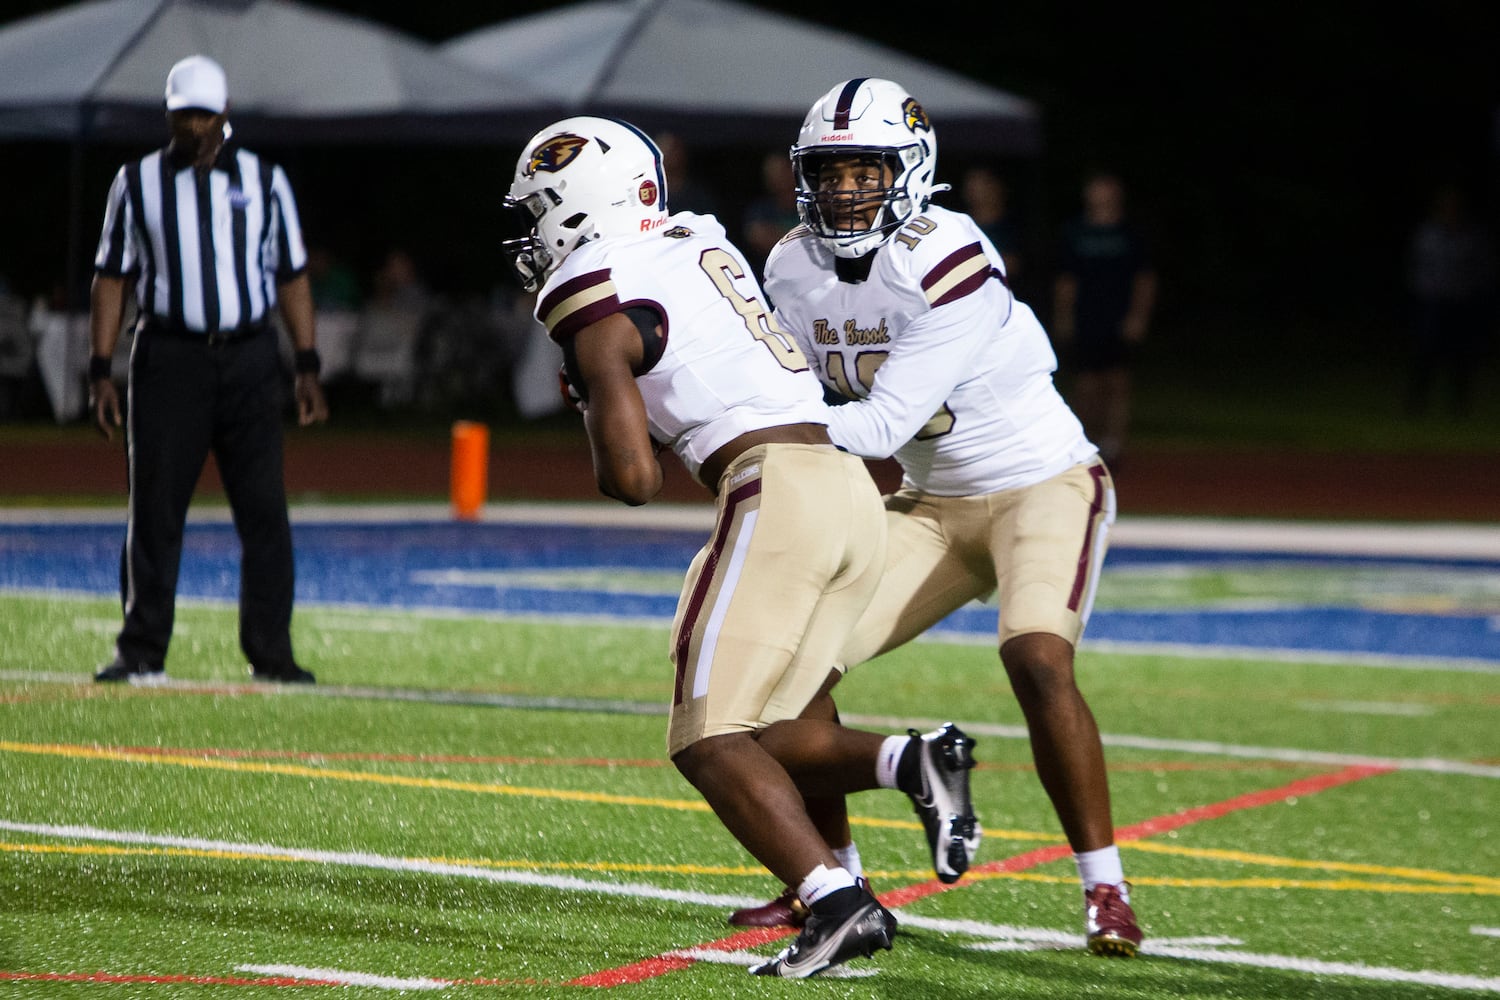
[289, 674]
[118, 670]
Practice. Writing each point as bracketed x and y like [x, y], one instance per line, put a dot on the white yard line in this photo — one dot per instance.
[1432, 765]
[1384, 661]
[1316, 967]
[1397, 708]
[345, 977]
[1379, 661]
[995, 937]
[1294, 755]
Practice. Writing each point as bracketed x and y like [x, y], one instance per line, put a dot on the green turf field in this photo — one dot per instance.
[482, 807]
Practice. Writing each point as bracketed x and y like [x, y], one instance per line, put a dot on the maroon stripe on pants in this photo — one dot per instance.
[1095, 507]
[705, 580]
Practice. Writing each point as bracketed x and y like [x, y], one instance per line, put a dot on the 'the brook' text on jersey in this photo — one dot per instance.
[954, 374]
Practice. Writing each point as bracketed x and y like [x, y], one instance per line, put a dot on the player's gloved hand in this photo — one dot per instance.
[571, 397]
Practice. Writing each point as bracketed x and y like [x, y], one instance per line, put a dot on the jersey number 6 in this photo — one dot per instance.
[722, 269]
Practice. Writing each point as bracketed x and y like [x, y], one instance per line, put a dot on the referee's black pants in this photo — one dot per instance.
[188, 397]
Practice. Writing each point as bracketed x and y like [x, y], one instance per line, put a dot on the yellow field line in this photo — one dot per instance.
[1327, 885]
[1274, 861]
[1477, 884]
[303, 771]
[111, 851]
[299, 771]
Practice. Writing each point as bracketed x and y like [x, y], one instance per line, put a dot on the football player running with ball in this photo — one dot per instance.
[903, 308]
[668, 343]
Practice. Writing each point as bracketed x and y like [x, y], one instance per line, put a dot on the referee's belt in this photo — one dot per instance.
[155, 326]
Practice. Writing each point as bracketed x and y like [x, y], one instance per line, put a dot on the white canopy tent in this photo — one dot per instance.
[724, 72]
[97, 70]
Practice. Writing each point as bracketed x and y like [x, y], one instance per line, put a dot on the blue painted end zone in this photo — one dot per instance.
[383, 565]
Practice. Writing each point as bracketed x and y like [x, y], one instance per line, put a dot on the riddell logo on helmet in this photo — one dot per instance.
[649, 224]
[837, 137]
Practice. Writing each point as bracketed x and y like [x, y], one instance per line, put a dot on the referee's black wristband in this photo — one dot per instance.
[99, 367]
[307, 362]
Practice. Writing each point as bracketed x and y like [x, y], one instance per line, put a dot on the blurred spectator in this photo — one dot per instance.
[398, 283]
[390, 329]
[987, 200]
[773, 213]
[685, 191]
[1103, 297]
[1451, 275]
[17, 350]
[334, 285]
[61, 340]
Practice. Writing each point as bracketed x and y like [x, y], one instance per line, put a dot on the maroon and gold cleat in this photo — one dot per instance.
[1112, 930]
[786, 910]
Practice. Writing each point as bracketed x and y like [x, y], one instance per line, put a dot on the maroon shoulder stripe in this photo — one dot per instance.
[576, 320]
[578, 302]
[956, 275]
[571, 287]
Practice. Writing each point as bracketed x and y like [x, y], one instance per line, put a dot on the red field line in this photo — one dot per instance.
[1151, 827]
[662, 964]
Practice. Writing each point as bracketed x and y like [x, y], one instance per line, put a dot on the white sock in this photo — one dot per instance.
[821, 882]
[890, 755]
[1102, 867]
[849, 858]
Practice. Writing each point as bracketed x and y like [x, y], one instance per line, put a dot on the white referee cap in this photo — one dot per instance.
[197, 82]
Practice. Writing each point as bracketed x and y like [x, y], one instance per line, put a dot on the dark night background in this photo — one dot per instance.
[1279, 154]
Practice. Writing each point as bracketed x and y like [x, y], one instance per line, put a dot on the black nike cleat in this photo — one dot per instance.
[943, 804]
[830, 941]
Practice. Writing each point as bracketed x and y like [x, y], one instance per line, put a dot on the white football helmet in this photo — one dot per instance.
[865, 118]
[582, 179]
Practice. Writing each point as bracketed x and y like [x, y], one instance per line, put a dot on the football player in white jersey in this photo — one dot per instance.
[902, 307]
[668, 343]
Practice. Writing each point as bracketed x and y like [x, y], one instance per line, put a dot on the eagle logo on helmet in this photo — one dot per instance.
[914, 116]
[554, 154]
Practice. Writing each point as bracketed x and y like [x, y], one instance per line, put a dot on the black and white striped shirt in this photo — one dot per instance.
[210, 248]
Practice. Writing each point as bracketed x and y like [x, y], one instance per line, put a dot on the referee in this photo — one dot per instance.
[209, 240]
